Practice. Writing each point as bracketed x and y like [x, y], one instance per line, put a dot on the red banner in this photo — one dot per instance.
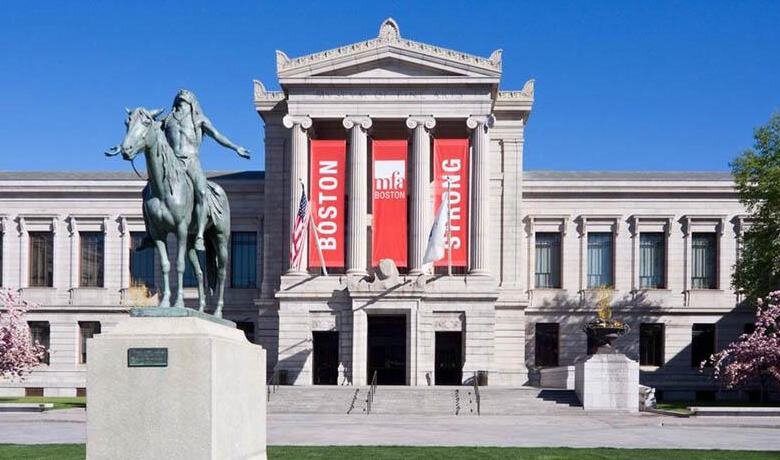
[327, 186]
[451, 161]
[389, 202]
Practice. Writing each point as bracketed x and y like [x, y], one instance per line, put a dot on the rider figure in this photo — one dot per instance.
[184, 128]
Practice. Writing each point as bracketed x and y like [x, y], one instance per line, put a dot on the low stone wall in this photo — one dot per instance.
[557, 377]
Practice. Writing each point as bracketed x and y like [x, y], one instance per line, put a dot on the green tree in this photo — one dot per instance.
[757, 177]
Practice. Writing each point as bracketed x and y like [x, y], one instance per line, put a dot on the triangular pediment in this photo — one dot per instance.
[389, 56]
[390, 67]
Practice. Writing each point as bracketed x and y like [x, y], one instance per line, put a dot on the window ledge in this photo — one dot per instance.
[706, 290]
[549, 289]
[652, 290]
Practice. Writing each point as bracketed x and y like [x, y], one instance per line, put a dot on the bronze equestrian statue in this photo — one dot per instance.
[177, 198]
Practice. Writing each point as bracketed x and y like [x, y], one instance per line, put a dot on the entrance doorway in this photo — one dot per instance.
[449, 358]
[387, 349]
[325, 361]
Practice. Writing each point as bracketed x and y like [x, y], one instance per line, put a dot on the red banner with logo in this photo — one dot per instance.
[389, 202]
[451, 161]
[327, 189]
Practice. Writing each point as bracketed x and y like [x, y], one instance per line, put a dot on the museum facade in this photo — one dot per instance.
[379, 134]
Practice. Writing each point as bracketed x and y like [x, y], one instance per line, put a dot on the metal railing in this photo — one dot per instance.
[475, 382]
[273, 384]
[371, 393]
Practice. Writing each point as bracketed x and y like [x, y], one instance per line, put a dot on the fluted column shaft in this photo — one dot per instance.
[357, 188]
[480, 189]
[299, 172]
[419, 189]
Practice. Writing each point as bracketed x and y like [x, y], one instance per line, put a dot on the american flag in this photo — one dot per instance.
[298, 235]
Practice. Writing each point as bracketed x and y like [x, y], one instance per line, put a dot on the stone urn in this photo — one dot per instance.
[603, 332]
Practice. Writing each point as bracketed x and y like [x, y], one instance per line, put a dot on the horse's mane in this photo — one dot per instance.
[173, 166]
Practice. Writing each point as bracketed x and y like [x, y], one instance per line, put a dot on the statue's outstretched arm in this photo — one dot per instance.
[209, 129]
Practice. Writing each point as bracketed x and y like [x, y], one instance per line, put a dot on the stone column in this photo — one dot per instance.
[299, 171]
[419, 189]
[480, 192]
[357, 189]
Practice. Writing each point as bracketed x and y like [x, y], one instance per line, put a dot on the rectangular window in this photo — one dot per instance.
[41, 259]
[652, 260]
[141, 263]
[704, 261]
[91, 259]
[546, 346]
[548, 260]
[87, 330]
[243, 259]
[40, 334]
[702, 343]
[651, 344]
[600, 260]
[189, 274]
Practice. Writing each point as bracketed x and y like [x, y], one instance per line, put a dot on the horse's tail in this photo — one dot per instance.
[218, 231]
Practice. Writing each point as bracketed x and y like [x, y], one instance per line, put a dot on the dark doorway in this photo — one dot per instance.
[387, 349]
[449, 358]
[326, 357]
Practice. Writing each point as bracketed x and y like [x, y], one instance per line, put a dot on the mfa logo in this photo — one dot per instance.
[389, 174]
[390, 179]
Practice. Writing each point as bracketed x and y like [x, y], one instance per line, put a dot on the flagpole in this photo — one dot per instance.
[449, 233]
[316, 234]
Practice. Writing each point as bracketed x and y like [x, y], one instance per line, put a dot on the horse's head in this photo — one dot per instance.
[138, 122]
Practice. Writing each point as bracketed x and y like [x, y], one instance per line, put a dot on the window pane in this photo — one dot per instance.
[652, 253]
[41, 259]
[702, 343]
[600, 259]
[87, 329]
[651, 344]
[546, 344]
[189, 274]
[704, 257]
[141, 263]
[39, 333]
[91, 259]
[243, 259]
[548, 260]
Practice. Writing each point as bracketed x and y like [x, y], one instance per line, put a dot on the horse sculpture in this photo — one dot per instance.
[168, 207]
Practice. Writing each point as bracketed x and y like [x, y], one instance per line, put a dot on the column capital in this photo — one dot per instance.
[426, 121]
[364, 121]
[486, 121]
[291, 120]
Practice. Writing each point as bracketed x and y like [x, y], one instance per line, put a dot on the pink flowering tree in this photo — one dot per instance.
[755, 357]
[18, 354]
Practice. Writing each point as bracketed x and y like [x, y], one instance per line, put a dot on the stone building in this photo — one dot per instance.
[379, 133]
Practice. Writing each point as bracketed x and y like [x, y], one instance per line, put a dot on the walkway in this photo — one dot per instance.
[585, 430]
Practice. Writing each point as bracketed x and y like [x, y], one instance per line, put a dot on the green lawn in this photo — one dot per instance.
[59, 403]
[77, 451]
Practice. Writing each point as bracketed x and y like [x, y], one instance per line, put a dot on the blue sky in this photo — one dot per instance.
[619, 85]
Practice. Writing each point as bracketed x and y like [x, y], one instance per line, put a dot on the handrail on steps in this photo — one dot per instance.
[273, 384]
[475, 382]
[371, 393]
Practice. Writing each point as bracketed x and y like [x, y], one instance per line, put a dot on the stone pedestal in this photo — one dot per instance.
[607, 381]
[196, 392]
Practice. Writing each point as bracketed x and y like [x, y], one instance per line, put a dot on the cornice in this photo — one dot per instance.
[524, 95]
[389, 36]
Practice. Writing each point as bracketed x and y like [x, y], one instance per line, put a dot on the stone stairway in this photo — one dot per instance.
[439, 400]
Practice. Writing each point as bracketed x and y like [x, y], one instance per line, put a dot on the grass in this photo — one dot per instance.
[78, 451]
[59, 402]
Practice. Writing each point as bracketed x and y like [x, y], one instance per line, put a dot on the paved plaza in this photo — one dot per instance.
[585, 430]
